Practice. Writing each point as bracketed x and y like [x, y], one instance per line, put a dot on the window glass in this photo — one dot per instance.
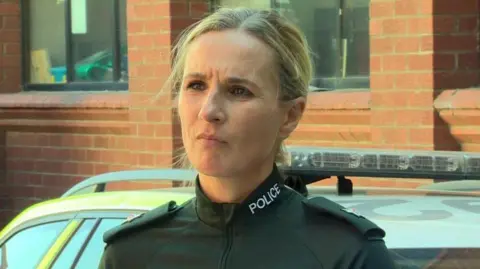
[47, 41]
[123, 41]
[68, 254]
[93, 252]
[90, 40]
[337, 32]
[357, 38]
[26, 248]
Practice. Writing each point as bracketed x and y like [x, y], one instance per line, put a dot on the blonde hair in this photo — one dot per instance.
[286, 41]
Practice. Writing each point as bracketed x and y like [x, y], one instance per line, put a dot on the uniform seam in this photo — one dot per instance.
[300, 240]
[286, 225]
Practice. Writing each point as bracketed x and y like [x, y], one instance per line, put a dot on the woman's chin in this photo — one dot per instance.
[213, 169]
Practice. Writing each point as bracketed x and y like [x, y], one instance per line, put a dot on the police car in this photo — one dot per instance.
[434, 226]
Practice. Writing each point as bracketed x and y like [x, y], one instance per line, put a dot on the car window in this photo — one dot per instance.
[35, 241]
[93, 252]
[71, 250]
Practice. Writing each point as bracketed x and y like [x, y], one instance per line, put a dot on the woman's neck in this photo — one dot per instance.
[234, 189]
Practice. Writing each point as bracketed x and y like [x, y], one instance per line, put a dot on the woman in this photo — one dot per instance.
[242, 79]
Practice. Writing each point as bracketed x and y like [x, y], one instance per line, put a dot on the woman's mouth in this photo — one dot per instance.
[210, 139]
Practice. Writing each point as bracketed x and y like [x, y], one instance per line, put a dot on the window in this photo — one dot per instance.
[73, 247]
[75, 45]
[35, 241]
[94, 250]
[337, 32]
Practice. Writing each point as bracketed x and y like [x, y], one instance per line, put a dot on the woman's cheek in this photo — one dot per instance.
[260, 133]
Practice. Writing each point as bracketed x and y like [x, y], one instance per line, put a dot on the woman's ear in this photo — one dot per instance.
[293, 115]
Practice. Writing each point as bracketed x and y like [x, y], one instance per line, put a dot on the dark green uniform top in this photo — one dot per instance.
[274, 228]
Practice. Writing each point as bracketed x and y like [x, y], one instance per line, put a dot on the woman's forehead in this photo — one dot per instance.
[232, 53]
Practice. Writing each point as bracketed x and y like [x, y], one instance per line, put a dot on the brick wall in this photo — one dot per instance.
[51, 144]
[9, 82]
[424, 67]
[10, 45]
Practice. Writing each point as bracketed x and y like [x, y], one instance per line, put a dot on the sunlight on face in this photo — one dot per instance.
[228, 106]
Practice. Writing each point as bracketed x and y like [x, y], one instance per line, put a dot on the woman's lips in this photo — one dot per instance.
[210, 139]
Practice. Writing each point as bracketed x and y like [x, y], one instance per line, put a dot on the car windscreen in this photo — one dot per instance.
[436, 258]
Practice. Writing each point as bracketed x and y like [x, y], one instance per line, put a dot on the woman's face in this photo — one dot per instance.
[230, 115]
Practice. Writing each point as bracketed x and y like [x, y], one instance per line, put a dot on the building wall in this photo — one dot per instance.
[423, 95]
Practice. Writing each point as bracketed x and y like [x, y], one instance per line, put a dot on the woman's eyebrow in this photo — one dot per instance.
[230, 80]
[239, 80]
[195, 75]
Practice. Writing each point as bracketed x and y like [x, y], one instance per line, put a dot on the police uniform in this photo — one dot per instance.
[274, 228]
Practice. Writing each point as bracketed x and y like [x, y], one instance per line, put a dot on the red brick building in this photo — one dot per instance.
[76, 87]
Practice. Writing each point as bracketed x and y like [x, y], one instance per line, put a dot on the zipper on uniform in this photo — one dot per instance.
[228, 247]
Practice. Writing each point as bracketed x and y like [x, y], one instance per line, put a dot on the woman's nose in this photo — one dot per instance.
[213, 107]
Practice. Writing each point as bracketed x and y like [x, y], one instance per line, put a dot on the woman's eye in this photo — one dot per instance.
[240, 91]
[196, 86]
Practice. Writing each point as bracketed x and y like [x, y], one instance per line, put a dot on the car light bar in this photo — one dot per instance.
[313, 164]
[447, 165]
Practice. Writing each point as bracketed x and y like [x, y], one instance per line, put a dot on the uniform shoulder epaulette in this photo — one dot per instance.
[137, 222]
[366, 227]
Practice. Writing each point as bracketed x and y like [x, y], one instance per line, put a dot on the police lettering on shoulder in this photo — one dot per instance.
[265, 199]
[240, 78]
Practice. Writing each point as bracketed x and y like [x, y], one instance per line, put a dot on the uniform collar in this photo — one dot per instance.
[262, 200]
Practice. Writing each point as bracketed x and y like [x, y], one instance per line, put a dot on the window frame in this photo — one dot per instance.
[70, 85]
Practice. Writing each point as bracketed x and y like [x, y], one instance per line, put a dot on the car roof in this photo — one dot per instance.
[434, 221]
